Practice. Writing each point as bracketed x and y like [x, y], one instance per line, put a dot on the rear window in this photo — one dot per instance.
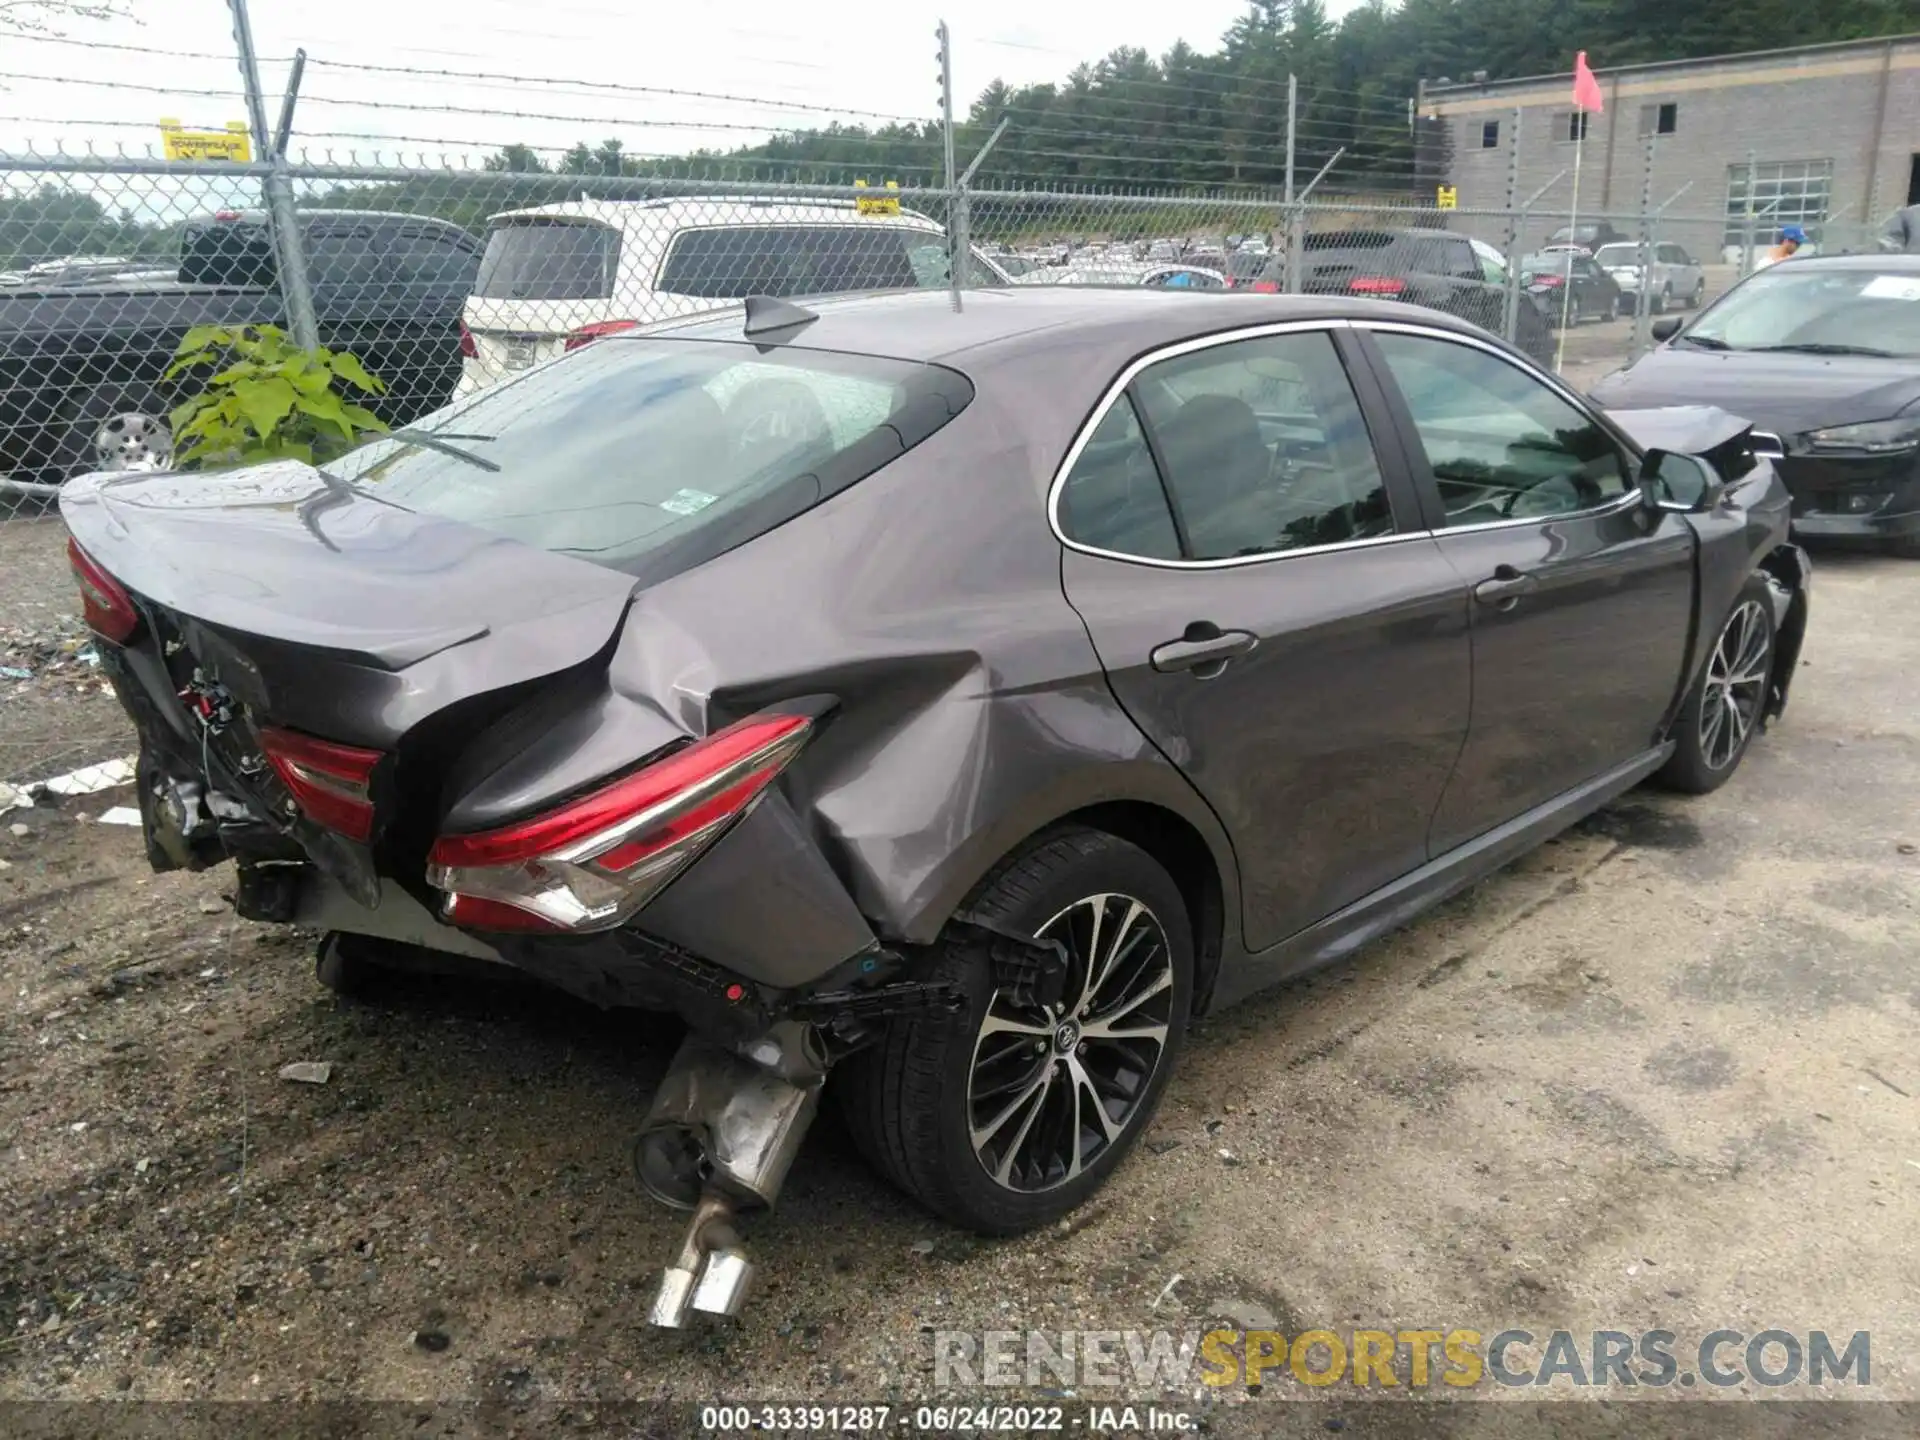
[787, 260]
[1620, 255]
[226, 252]
[652, 455]
[1350, 240]
[548, 259]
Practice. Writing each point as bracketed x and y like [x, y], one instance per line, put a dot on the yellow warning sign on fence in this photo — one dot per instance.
[231, 144]
[1446, 198]
[888, 204]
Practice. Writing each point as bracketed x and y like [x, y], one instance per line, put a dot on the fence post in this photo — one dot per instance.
[277, 189]
[1510, 303]
[1296, 229]
[1746, 228]
[1643, 299]
[956, 195]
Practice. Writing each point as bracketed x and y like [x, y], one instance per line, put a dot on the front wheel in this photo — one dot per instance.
[1004, 1117]
[1699, 296]
[1723, 712]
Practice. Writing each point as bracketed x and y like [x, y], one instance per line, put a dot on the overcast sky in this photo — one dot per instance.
[844, 57]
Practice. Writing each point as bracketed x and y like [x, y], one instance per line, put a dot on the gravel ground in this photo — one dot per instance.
[61, 713]
[1662, 1073]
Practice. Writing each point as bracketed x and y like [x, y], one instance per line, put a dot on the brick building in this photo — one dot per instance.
[1828, 134]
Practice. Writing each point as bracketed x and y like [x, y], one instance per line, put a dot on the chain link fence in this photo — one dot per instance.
[452, 271]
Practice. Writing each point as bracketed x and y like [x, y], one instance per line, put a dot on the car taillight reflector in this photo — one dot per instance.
[587, 334]
[331, 783]
[592, 862]
[467, 348]
[1264, 287]
[104, 603]
[1377, 285]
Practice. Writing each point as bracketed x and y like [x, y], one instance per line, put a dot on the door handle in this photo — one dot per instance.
[1205, 649]
[1504, 589]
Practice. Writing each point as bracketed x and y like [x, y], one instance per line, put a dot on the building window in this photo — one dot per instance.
[1785, 192]
[1490, 135]
[1576, 126]
[1659, 119]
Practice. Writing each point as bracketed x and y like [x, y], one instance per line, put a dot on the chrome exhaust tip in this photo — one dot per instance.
[721, 1134]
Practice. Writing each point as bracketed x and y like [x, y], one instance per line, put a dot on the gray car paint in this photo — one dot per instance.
[970, 707]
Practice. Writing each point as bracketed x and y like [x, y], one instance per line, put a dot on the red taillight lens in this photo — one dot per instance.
[1550, 281]
[467, 347]
[594, 861]
[331, 783]
[587, 334]
[1377, 285]
[1264, 287]
[106, 605]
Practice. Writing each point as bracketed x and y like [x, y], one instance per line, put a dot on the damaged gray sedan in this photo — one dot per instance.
[938, 703]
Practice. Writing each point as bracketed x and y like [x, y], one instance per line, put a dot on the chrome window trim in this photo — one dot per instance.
[1118, 388]
[1765, 442]
[1566, 392]
[1295, 327]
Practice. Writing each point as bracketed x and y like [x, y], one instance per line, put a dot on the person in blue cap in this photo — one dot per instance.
[1792, 237]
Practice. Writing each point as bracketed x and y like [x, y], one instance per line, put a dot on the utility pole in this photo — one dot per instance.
[283, 222]
[1643, 255]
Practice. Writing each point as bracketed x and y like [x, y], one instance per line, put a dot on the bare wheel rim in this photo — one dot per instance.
[132, 440]
[1053, 1088]
[1736, 685]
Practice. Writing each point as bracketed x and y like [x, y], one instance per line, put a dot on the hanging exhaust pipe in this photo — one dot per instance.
[721, 1136]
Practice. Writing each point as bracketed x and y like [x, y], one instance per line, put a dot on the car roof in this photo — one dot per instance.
[1897, 262]
[928, 325]
[698, 212]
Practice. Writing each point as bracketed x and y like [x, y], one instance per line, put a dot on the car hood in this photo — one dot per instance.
[1682, 429]
[1784, 394]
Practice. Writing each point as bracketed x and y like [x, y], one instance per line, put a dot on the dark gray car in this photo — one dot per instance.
[954, 697]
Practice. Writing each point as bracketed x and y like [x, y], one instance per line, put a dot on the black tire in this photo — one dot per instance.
[1703, 759]
[909, 1100]
[78, 442]
[346, 965]
[1665, 302]
[1699, 296]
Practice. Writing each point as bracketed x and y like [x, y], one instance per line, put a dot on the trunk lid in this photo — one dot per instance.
[330, 610]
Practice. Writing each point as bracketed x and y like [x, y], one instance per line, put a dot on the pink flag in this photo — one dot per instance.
[1586, 89]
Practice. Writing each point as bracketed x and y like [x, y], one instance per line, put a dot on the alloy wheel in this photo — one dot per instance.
[1053, 1088]
[1735, 686]
[132, 440]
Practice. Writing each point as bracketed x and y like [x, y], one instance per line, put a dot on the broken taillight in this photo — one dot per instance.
[467, 347]
[104, 603]
[593, 862]
[587, 334]
[331, 783]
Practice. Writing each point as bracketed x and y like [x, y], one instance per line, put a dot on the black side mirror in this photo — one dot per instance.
[1677, 484]
[1666, 328]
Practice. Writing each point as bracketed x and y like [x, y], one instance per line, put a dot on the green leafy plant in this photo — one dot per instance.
[267, 398]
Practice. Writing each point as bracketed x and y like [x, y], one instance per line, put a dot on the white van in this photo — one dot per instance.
[557, 276]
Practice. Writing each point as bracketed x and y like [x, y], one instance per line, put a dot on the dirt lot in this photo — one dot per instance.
[1662, 1073]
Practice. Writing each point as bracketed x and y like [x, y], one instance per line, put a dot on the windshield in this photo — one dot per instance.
[548, 259]
[787, 260]
[1623, 255]
[1801, 307]
[652, 455]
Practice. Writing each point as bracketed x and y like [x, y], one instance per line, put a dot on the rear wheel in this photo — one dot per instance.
[1005, 1117]
[1723, 712]
[1699, 296]
[347, 966]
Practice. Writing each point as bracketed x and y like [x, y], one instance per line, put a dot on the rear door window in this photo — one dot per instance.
[548, 258]
[652, 455]
[783, 260]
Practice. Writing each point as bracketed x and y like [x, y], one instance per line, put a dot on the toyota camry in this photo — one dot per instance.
[937, 702]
